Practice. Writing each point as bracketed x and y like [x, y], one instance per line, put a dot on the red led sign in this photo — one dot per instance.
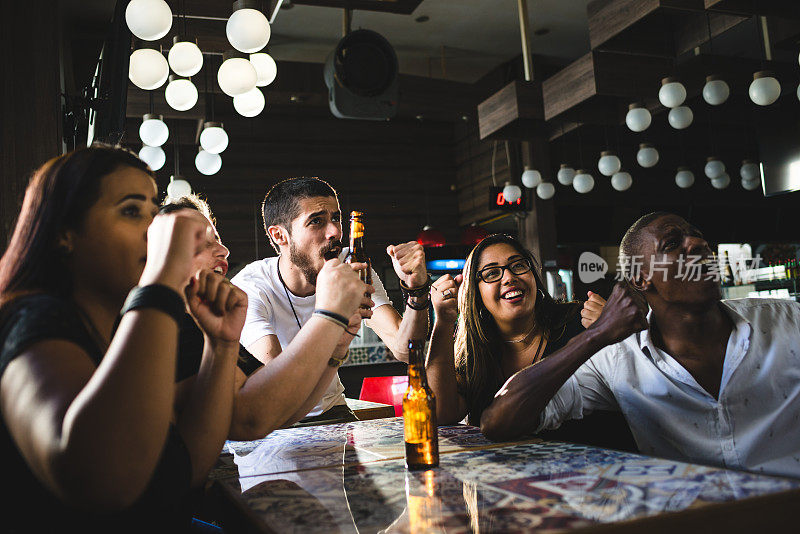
[498, 202]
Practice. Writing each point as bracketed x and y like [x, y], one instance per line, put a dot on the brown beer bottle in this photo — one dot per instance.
[358, 250]
[419, 412]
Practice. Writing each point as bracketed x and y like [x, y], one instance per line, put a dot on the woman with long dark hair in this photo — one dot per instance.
[506, 321]
[90, 431]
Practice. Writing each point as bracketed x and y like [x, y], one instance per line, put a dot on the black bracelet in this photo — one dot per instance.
[416, 292]
[354, 334]
[418, 306]
[341, 319]
[156, 296]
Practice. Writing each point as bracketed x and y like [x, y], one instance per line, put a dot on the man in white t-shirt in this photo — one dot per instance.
[302, 220]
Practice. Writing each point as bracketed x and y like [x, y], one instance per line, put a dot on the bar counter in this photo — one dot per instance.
[351, 477]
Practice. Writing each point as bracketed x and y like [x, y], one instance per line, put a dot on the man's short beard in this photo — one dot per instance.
[302, 260]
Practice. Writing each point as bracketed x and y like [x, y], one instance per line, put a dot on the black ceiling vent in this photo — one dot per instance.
[361, 75]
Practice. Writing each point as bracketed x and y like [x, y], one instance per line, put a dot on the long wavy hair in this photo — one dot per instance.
[57, 198]
[478, 345]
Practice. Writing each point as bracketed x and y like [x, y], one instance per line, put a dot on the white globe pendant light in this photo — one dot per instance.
[178, 187]
[154, 156]
[149, 20]
[266, 68]
[714, 167]
[722, 181]
[247, 28]
[798, 92]
[583, 182]
[153, 131]
[638, 118]
[565, 174]
[684, 178]
[207, 163]
[609, 163]
[715, 91]
[764, 89]
[148, 69]
[672, 93]
[545, 190]
[181, 94]
[621, 181]
[750, 171]
[511, 192]
[750, 185]
[213, 138]
[250, 103]
[185, 58]
[647, 156]
[531, 177]
[236, 75]
[680, 117]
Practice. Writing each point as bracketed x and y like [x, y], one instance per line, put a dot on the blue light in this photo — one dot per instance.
[445, 265]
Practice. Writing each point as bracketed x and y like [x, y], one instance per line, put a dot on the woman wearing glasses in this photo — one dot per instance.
[506, 322]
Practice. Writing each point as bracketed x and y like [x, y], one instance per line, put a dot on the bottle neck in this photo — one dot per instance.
[416, 369]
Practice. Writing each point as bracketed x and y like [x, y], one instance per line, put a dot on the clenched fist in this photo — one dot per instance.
[624, 314]
[444, 296]
[592, 309]
[408, 260]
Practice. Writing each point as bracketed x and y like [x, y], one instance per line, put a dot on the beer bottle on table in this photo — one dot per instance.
[358, 250]
[419, 412]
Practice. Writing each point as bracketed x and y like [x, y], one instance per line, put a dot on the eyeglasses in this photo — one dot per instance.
[494, 273]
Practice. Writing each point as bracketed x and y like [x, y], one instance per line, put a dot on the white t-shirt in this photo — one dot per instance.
[270, 313]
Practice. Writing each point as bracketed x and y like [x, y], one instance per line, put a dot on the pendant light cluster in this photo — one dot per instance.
[243, 70]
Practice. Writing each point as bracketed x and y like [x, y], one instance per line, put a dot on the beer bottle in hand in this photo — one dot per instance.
[358, 250]
[419, 413]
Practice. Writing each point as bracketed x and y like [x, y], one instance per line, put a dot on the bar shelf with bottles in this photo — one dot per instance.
[781, 280]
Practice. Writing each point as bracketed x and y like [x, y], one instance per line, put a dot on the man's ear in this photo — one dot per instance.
[279, 235]
[641, 282]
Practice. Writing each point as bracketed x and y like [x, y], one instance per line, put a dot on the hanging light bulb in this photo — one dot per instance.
[247, 28]
[531, 177]
[583, 181]
[545, 190]
[621, 181]
[715, 91]
[178, 187]
[213, 138]
[236, 75]
[638, 118]
[266, 68]
[647, 156]
[148, 69]
[149, 20]
[680, 117]
[684, 178]
[511, 192]
[764, 89]
[565, 174]
[750, 185]
[722, 181]
[750, 170]
[250, 103]
[672, 93]
[181, 94]
[609, 163]
[207, 163]
[714, 167]
[153, 131]
[154, 156]
[185, 58]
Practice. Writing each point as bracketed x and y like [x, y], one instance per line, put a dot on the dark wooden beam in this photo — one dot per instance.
[514, 112]
[778, 8]
[221, 9]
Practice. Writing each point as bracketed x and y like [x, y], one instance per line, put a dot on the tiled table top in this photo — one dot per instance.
[351, 478]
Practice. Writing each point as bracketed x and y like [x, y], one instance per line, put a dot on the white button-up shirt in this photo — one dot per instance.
[755, 423]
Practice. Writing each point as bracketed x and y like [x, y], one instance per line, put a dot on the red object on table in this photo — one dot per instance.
[386, 390]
